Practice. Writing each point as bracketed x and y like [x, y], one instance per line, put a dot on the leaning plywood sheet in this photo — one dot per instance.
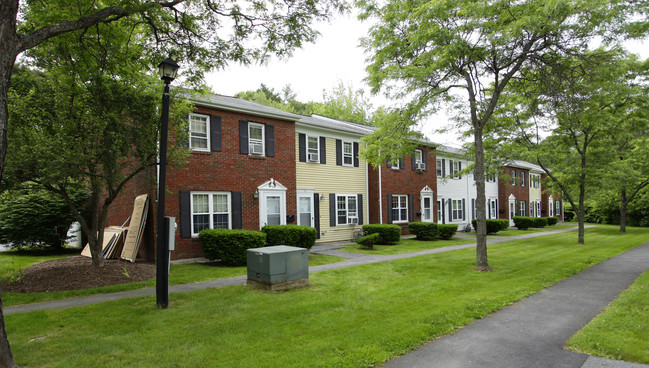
[138, 220]
[113, 236]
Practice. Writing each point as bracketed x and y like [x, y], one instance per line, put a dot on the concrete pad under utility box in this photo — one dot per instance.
[278, 268]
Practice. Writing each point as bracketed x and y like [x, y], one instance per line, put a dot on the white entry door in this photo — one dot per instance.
[305, 208]
[512, 209]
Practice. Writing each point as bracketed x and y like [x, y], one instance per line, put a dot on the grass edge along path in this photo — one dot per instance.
[351, 317]
[621, 330]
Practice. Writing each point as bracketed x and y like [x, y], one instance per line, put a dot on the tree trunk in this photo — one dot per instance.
[481, 228]
[623, 204]
[581, 212]
[6, 358]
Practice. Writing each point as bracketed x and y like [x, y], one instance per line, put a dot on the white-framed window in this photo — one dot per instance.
[313, 149]
[474, 208]
[532, 209]
[399, 208]
[440, 211]
[454, 167]
[490, 178]
[457, 209]
[199, 129]
[210, 210]
[521, 208]
[538, 208]
[394, 164]
[346, 209]
[522, 178]
[557, 208]
[419, 160]
[348, 154]
[535, 180]
[256, 139]
[513, 175]
[550, 206]
[426, 204]
[440, 170]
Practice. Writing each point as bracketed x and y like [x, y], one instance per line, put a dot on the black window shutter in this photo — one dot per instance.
[323, 150]
[389, 208]
[356, 162]
[488, 209]
[414, 160]
[301, 139]
[316, 214]
[441, 206]
[497, 214]
[402, 163]
[270, 140]
[443, 168]
[463, 211]
[450, 210]
[472, 209]
[339, 152]
[185, 214]
[424, 156]
[332, 209]
[215, 133]
[237, 222]
[243, 137]
[459, 167]
[360, 209]
[411, 207]
[184, 141]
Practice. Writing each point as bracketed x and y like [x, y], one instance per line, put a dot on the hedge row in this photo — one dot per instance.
[388, 234]
[524, 222]
[230, 246]
[368, 241]
[432, 231]
[493, 225]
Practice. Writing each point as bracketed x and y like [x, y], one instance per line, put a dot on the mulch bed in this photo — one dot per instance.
[74, 273]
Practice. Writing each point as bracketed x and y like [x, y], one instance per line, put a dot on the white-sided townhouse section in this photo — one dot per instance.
[332, 183]
[457, 192]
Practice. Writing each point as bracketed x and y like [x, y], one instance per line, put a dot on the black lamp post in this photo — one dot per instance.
[168, 70]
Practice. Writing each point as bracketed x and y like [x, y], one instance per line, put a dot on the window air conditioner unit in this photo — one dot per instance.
[313, 157]
[353, 220]
[421, 166]
[256, 149]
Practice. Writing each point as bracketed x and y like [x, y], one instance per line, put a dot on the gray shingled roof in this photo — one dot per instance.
[241, 105]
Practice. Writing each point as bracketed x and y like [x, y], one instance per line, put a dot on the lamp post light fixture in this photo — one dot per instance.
[168, 69]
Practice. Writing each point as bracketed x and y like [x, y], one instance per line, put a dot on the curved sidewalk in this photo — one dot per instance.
[532, 332]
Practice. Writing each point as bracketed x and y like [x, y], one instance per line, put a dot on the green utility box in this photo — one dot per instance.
[278, 268]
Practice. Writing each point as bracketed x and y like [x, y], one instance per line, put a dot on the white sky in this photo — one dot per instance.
[335, 57]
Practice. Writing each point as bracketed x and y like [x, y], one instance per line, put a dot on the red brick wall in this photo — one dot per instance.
[228, 170]
[505, 189]
[403, 181]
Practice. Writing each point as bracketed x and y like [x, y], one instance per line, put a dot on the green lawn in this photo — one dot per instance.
[406, 246]
[351, 317]
[178, 274]
[621, 331]
[12, 262]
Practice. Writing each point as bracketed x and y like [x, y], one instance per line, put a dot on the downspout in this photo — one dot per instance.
[367, 193]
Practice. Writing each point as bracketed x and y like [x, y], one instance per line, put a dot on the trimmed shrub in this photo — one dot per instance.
[446, 231]
[389, 234]
[523, 222]
[291, 235]
[539, 222]
[368, 241]
[230, 246]
[493, 225]
[552, 220]
[424, 230]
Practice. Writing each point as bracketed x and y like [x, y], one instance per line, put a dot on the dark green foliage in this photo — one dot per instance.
[424, 230]
[390, 234]
[291, 235]
[552, 220]
[523, 222]
[230, 246]
[493, 225]
[368, 241]
[446, 231]
[539, 222]
[33, 216]
[569, 215]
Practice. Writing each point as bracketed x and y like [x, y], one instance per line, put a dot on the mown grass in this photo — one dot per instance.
[621, 331]
[351, 317]
[178, 274]
[14, 261]
[405, 246]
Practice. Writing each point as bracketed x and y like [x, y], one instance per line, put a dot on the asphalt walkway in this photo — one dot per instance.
[530, 333]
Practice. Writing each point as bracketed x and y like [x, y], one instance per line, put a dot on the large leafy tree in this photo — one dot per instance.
[466, 52]
[581, 118]
[200, 34]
